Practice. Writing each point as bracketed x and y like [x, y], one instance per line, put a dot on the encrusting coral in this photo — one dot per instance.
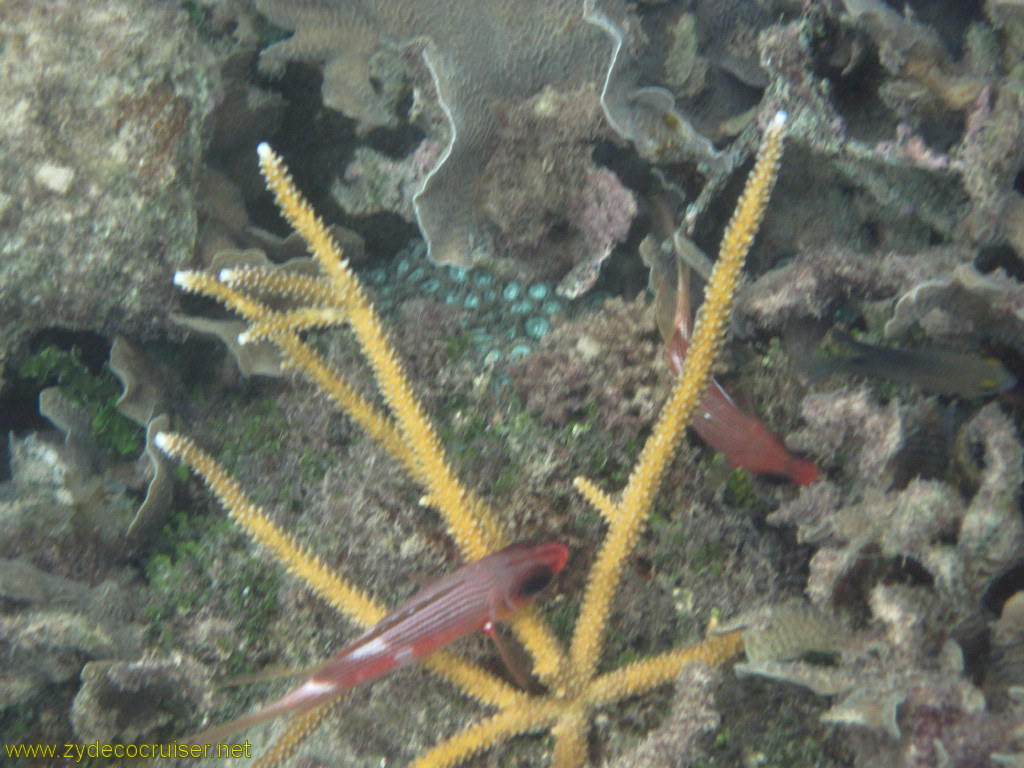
[904, 680]
[574, 686]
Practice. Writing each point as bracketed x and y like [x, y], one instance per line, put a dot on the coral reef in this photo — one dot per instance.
[625, 341]
[905, 675]
[911, 523]
[692, 715]
[963, 304]
[65, 586]
[492, 83]
[532, 139]
[336, 297]
[554, 228]
[58, 624]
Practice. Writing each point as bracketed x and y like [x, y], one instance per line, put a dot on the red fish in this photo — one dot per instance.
[742, 439]
[474, 597]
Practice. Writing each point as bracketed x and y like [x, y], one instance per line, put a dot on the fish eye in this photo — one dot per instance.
[535, 581]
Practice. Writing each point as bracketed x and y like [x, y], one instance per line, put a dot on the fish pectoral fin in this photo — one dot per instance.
[514, 657]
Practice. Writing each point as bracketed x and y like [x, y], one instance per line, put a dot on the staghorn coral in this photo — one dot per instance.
[576, 687]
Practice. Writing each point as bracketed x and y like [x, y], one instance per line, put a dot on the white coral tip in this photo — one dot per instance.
[264, 151]
[780, 119]
[162, 441]
[227, 276]
[182, 278]
[244, 338]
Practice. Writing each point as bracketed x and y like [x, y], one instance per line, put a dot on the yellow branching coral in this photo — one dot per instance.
[574, 687]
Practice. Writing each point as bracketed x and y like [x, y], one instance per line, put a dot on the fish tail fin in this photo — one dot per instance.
[307, 695]
[802, 472]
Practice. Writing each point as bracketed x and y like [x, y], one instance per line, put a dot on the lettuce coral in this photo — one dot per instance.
[484, 59]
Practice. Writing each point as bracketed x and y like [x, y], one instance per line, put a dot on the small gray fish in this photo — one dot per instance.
[580, 278]
[932, 369]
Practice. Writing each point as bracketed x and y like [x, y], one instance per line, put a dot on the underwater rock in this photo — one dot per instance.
[942, 717]
[899, 688]
[553, 207]
[851, 189]
[814, 284]
[991, 533]
[121, 701]
[612, 367]
[22, 582]
[953, 539]
[685, 69]
[103, 113]
[858, 434]
[45, 648]
[990, 157]
[961, 544]
[51, 625]
[375, 183]
[917, 560]
[912, 52]
[1004, 680]
[58, 502]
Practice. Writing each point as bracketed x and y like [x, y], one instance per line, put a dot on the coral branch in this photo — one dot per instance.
[471, 525]
[337, 592]
[634, 505]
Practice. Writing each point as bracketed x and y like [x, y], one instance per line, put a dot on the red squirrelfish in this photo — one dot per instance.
[742, 439]
[474, 597]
